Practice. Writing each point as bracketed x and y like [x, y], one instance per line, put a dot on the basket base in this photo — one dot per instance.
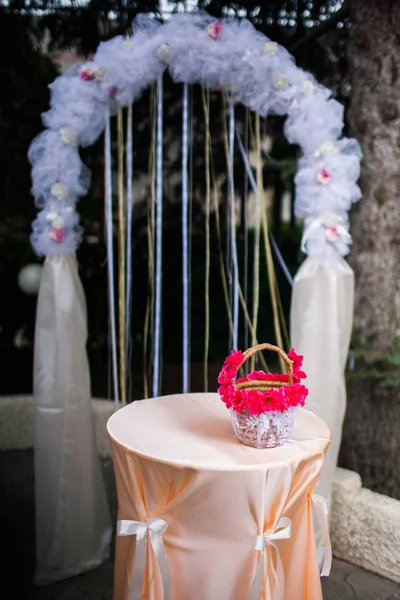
[267, 430]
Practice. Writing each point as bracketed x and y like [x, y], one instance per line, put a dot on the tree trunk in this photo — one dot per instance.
[371, 440]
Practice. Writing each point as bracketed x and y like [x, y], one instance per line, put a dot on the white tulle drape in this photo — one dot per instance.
[73, 526]
[321, 324]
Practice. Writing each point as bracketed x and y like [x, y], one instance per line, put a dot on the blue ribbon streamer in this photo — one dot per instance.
[255, 190]
[159, 214]
[110, 258]
[129, 209]
[185, 246]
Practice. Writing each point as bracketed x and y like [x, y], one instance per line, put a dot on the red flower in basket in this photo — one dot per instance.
[261, 401]
[297, 364]
[277, 398]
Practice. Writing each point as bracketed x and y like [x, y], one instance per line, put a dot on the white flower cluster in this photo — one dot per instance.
[195, 48]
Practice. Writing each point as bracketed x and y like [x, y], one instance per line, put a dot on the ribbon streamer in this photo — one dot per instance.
[224, 279]
[154, 528]
[185, 245]
[158, 277]
[321, 510]
[245, 232]
[256, 193]
[228, 217]
[276, 302]
[110, 256]
[233, 227]
[281, 262]
[129, 209]
[149, 313]
[121, 258]
[207, 152]
[256, 267]
[282, 531]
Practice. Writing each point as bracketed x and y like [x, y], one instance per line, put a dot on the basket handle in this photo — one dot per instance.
[254, 349]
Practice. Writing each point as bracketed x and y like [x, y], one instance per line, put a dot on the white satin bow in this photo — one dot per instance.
[323, 221]
[282, 531]
[155, 528]
[321, 511]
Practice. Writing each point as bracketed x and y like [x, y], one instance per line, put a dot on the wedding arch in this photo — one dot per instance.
[217, 54]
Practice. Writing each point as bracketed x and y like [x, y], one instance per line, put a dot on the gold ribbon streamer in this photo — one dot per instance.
[121, 256]
[272, 280]
[221, 259]
[267, 246]
[215, 195]
[283, 322]
[220, 253]
[150, 242]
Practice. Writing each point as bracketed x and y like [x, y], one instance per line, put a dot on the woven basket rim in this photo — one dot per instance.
[263, 385]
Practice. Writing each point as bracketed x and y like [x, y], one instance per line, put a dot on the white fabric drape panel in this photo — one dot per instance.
[321, 324]
[73, 526]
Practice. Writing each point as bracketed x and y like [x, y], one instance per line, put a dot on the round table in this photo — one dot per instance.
[202, 516]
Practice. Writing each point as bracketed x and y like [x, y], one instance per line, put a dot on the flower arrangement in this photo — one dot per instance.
[262, 405]
[256, 402]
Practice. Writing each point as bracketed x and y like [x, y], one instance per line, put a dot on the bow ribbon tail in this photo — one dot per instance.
[257, 590]
[321, 511]
[342, 231]
[136, 579]
[154, 528]
[309, 232]
[157, 542]
[279, 577]
[261, 586]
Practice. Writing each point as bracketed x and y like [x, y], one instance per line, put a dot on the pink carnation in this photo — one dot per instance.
[297, 364]
[87, 74]
[235, 359]
[214, 30]
[323, 177]
[57, 235]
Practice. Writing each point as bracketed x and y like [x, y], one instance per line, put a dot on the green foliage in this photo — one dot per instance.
[381, 367]
[286, 168]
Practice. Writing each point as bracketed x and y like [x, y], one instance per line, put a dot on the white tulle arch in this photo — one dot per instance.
[226, 54]
[216, 54]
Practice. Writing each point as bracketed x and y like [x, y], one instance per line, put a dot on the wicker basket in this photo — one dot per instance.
[269, 429]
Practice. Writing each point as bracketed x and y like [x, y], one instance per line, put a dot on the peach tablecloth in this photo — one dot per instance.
[178, 462]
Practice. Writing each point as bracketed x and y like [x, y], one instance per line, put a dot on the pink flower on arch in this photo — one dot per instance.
[57, 235]
[323, 177]
[331, 234]
[214, 30]
[87, 74]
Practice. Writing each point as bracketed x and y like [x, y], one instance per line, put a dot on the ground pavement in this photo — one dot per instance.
[346, 581]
